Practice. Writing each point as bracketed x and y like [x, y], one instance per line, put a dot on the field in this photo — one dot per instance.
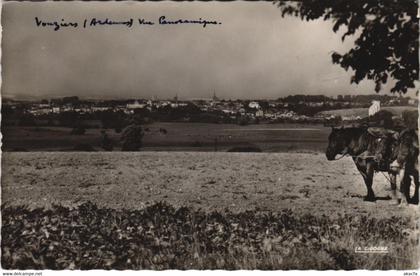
[179, 137]
[363, 112]
[198, 210]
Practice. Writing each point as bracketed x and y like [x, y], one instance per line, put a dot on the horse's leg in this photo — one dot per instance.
[415, 174]
[393, 182]
[397, 196]
[369, 182]
[404, 185]
[402, 174]
[366, 170]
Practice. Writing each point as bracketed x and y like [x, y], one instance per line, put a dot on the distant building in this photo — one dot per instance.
[254, 105]
[41, 111]
[100, 108]
[135, 105]
[259, 113]
[374, 108]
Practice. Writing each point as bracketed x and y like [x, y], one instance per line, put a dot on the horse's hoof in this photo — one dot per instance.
[369, 198]
[403, 204]
[414, 201]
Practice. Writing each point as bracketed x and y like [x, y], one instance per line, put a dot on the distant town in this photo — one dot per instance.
[71, 111]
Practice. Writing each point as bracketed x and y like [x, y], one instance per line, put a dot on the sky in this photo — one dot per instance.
[254, 53]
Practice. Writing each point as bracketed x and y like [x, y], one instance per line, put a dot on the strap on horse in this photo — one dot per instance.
[361, 156]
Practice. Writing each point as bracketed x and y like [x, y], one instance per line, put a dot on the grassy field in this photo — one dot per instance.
[198, 210]
[179, 137]
[206, 180]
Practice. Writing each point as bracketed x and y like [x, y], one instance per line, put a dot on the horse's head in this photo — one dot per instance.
[408, 146]
[337, 143]
[385, 147]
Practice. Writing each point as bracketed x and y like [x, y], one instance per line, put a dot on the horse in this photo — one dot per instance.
[361, 144]
[407, 159]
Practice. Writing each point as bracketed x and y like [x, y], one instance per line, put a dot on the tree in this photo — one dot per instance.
[243, 120]
[387, 43]
[83, 147]
[106, 143]
[27, 120]
[118, 129]
[78, 130]
[70, 100]
[383, 118]
[410, 118]
[132, 137]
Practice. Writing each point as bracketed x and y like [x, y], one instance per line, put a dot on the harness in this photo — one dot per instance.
[361, 156]
[345, 153]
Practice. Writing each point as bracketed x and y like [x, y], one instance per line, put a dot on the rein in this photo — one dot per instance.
[345, 153]
[357, 156]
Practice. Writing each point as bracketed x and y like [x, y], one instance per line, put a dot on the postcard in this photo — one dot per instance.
[210, 136]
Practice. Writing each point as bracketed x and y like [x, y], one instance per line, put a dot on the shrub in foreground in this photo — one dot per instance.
[164, 237]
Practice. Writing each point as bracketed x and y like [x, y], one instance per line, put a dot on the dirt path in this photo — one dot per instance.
[306, 183]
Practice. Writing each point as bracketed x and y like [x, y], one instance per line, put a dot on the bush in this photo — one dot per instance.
[19, 149]
[243, 121]
[197, 144]
[118, 129]
[132, 137]
[27, 120]
[162, 236]
[245, 149]
[410, 118]
[383, 118]
[107, 143]
[83, 147]
[78, 130]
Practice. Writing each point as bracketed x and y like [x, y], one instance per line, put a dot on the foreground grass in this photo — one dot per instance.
[163, 237]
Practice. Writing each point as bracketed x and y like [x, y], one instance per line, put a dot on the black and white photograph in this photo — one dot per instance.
[238, 135]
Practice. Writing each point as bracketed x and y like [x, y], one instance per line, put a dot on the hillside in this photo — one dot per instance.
[363, 112]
